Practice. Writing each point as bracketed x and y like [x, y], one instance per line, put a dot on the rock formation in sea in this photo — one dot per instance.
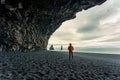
[26, 25]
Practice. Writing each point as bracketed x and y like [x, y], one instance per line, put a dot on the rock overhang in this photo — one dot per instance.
[27, 25]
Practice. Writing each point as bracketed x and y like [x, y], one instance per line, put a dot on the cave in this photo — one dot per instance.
[26, 25]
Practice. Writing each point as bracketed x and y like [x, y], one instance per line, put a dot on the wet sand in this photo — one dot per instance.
[51, 65]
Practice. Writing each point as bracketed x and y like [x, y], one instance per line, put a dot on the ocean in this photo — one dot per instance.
[90, 49]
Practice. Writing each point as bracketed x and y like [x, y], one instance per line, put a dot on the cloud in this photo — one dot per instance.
[62, 36]
[97, 26]
[95, 17]
[90, 37]
[102, 23]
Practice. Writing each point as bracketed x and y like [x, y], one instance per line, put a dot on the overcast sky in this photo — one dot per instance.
[97, 26]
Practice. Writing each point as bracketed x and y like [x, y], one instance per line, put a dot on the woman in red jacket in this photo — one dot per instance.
[70, 48]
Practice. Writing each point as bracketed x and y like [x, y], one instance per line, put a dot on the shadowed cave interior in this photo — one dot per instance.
[26, 25]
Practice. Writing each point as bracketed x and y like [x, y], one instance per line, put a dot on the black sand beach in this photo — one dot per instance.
[51, 65]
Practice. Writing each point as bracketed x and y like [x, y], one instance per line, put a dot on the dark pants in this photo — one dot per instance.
[70, 55]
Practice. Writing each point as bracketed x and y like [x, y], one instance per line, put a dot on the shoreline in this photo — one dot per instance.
[87, 52]
[52, 65]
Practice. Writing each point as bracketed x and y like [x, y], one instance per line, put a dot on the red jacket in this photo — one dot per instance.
[70, 48]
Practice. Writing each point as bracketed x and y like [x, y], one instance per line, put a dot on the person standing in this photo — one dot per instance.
[70, 49]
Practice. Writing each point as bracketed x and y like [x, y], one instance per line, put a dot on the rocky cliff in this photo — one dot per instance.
[26, 25]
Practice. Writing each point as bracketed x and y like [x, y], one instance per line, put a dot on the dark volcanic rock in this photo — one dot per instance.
[27, 25]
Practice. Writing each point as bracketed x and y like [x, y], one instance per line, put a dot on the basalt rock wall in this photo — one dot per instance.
[26, 25]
